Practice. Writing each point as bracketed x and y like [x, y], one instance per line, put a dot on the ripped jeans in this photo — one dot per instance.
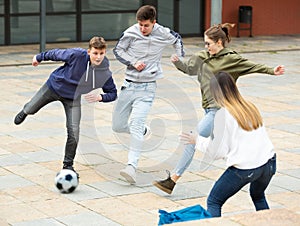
[130, 113]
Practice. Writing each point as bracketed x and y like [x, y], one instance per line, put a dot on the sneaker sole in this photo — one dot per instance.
[127, 177]
[18, 121]
[156, 184]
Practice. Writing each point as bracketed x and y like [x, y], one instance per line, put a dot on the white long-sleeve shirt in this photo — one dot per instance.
[240, 148]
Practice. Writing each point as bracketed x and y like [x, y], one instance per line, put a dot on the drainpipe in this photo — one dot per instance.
[42, 25]
[216, 12]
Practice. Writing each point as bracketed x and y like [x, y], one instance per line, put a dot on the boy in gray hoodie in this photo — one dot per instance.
[140, 48]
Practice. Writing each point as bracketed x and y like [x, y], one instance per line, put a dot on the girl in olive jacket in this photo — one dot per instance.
[205, 64]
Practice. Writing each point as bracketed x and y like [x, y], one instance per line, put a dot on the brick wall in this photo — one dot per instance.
[270, 17]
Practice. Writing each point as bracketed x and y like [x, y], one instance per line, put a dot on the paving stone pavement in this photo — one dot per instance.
[31, 154]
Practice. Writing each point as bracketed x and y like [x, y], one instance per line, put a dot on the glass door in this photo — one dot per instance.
[190, 17]
[183, 16]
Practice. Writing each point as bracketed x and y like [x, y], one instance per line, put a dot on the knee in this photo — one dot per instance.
[118, 127]
[73, 132]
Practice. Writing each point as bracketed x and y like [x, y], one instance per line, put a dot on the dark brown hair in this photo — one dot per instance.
[219, 32]
[97, 43]
[146, 12]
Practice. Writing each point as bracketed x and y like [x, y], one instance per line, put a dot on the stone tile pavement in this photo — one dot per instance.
[31, 154]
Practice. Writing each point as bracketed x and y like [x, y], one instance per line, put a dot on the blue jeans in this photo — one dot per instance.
[204, 128]
[73, 114]
[233, 180]
[134, 103]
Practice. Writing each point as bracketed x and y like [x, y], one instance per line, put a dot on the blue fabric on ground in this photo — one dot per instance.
[187, 214]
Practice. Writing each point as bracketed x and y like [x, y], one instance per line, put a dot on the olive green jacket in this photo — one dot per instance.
[206, 66]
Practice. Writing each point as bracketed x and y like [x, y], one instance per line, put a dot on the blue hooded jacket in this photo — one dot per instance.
[76, 76]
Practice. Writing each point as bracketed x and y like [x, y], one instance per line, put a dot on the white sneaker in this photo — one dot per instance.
[129, 174]
[147, 133]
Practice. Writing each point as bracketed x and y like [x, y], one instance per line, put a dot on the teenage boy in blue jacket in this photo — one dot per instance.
[83, 71]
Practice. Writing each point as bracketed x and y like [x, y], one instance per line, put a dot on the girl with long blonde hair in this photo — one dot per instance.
[240, 138]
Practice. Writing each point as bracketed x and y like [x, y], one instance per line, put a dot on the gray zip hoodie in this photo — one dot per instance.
[133, 46]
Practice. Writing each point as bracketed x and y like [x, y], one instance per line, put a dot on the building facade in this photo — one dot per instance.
[79, 20]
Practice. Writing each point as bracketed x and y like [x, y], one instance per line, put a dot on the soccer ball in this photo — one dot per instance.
[66, 181]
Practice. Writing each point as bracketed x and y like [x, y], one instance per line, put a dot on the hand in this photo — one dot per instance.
[279, 70]
[174, 58]
[139, 66]
[188, 138]
[92, 97]
[34, 61]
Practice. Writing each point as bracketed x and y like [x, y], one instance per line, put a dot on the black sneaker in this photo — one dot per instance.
[71, 168]
[147, 133]
[166, 185]
[20, 117]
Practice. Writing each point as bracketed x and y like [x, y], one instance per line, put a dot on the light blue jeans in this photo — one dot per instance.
[204, 128]
[130, 114]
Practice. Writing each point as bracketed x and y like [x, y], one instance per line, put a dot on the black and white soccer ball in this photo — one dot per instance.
[66, 181]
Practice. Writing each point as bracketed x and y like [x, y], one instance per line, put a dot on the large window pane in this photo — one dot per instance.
[165, 15]
[189, 17]
[25, 6]
[24, 29]
[89, 5]
[33, 6]
[60, 28]
[1, 31]
[109, 26]
[61, 5]
[1, 22]
[1, 6]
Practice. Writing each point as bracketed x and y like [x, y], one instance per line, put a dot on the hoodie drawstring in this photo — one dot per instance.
[87, 71]
[87, 74]
[93, 78]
